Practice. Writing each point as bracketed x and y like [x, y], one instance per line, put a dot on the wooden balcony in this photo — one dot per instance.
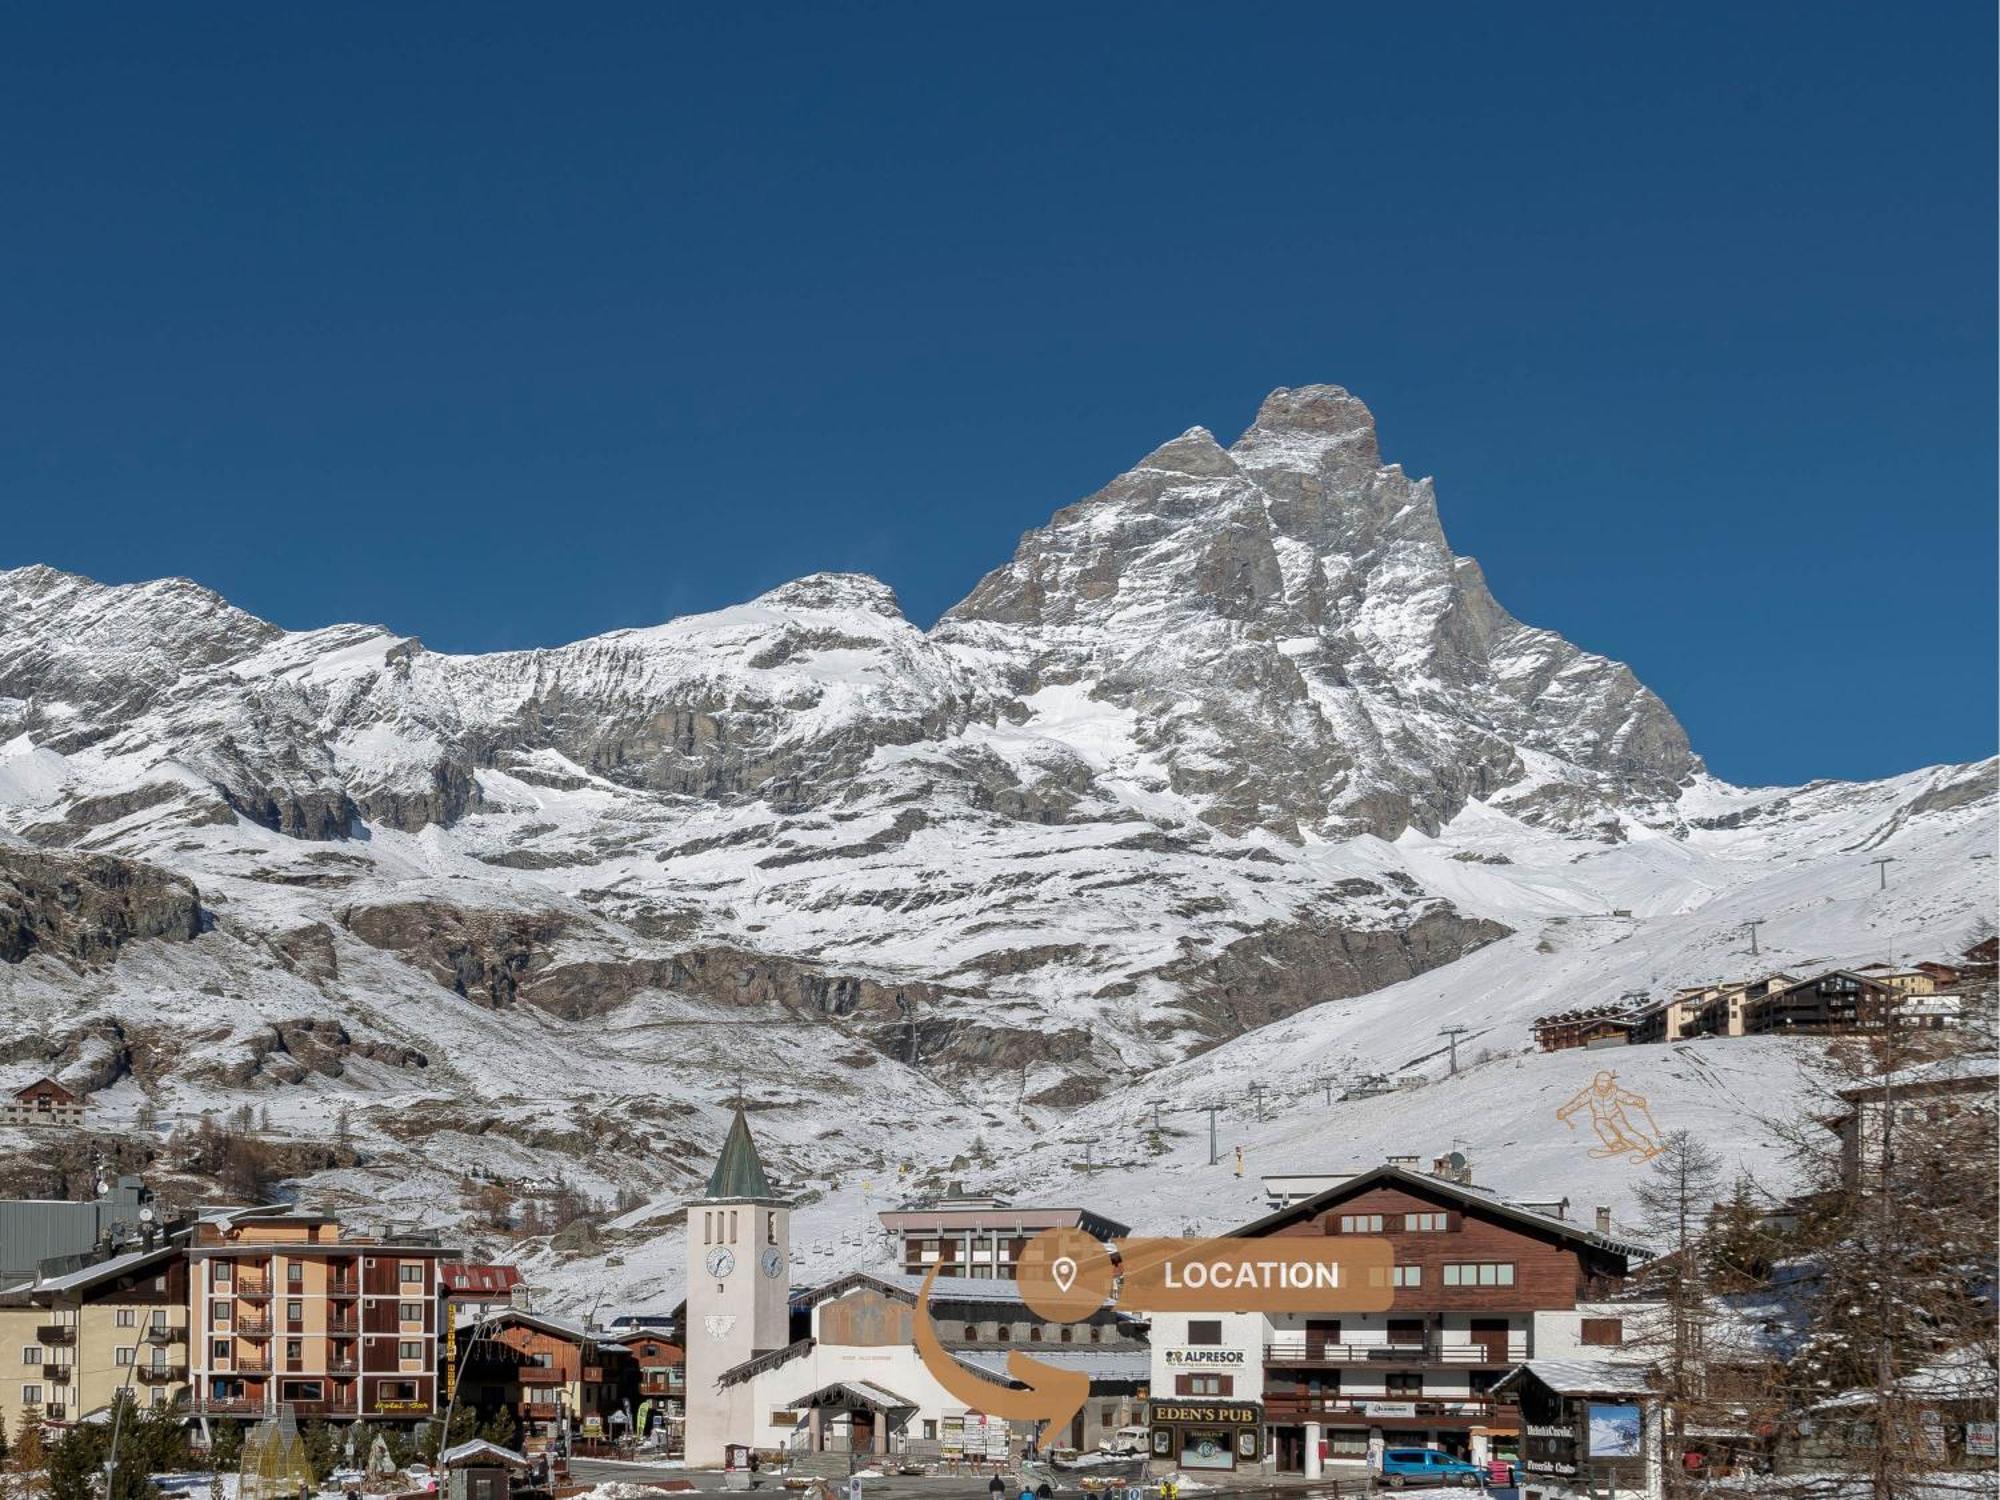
[343, 1286]
[1422, 1411]
[650, 1387]
[161, 1374]
[1494, 1355]
[347, 1326]
[539, 1411]
[535, 1375]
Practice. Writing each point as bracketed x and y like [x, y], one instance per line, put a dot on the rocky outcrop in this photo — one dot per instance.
[83, 908]
[1283, 969]
[484, 956]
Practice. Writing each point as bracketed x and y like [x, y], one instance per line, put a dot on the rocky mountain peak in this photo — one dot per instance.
[834, 591]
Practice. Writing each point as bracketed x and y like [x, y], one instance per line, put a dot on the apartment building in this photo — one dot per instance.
[1478, 1284]
[70, 1343]
[288, 1309]
[966, 1234]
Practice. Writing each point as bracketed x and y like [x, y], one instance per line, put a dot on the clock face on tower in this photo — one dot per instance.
[771, 1260]
[720, 1262]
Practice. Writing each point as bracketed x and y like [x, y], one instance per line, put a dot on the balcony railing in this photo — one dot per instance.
[341, 1367]
[347, 1325]
[253, 1362]
[55, 1412]
[343, 1286]
[60, 1374]
[539, 1411]
[55, 1333]
[540, 1375]
[256, 1288]
[229, 1405]
[1278, 1406]
[251, 1325]
[1411, 1352]
[593, 1372]
[657, 1387]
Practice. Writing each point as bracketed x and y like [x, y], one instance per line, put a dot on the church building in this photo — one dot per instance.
[855, 1383]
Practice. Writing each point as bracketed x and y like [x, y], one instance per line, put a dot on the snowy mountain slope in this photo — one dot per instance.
[1235, 752]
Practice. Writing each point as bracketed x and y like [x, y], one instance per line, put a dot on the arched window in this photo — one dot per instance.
[1034, 1333]
[771, 1227]
[1004, 1333]
[971, 1333]
[1068, 1333]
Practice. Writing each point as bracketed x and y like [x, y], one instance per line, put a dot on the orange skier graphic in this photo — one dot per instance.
[1620, 1117]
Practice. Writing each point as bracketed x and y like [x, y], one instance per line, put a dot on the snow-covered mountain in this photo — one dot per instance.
[1226, 746]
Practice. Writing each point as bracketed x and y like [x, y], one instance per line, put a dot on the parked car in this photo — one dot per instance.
[1125, 1441]
[1422, 1466]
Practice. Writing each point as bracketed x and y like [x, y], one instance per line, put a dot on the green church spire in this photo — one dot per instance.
[739, 1172]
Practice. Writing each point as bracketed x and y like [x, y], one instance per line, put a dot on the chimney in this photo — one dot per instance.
[1408, 1163]
[1604, 1218]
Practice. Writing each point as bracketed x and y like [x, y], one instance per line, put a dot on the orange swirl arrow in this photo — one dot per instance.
[1052, 1397]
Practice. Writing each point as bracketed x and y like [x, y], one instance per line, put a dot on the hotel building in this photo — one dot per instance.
[1480, 1285]
[285, 1309]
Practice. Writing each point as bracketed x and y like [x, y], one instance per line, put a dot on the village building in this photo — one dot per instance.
[1597, 1026]
[1926, 1093]
[1725, 1009]
[1591, 1429]
[75, 1340]
[1839, 1001]
[969, 1235]
[286, 1309]
[1480, 1285]
[853, 1383]
[565, 1384]
[34, 1232]
[43, 1102]
[474, 1292]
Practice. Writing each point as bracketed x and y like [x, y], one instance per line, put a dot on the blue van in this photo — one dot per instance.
[1419, 1466]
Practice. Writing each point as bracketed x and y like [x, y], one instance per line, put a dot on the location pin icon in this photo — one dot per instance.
[1064, 1273]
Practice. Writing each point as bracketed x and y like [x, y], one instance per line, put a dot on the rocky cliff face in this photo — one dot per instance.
[1157, 782]
[1301, 648]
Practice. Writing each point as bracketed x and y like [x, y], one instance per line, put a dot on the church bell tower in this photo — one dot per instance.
[739, 1262]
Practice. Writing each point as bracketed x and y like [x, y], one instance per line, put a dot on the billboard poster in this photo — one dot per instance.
[1614, 1430]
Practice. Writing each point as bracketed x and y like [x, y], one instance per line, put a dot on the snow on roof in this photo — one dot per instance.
[479, 1448]
[1962, 1374]
[1588, 1377]
[89, 1275]
[1098, 1364]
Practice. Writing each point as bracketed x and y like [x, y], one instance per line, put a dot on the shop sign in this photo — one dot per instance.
[1191, 1357]
[1982, 1439]
[1388, 1408]
[1225, 1413]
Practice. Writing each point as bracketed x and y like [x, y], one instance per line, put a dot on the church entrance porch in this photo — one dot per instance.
[852, 1416]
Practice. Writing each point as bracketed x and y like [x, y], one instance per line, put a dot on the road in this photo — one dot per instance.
[968, 1487]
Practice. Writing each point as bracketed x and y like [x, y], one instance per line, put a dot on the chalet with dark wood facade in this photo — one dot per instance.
[1474, 1280]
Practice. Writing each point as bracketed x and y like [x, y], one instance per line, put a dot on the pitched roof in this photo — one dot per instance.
[1464, 1193]
[739, 1171]
[1584, 1377]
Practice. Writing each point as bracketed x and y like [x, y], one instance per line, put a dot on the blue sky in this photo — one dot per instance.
[506, 325]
